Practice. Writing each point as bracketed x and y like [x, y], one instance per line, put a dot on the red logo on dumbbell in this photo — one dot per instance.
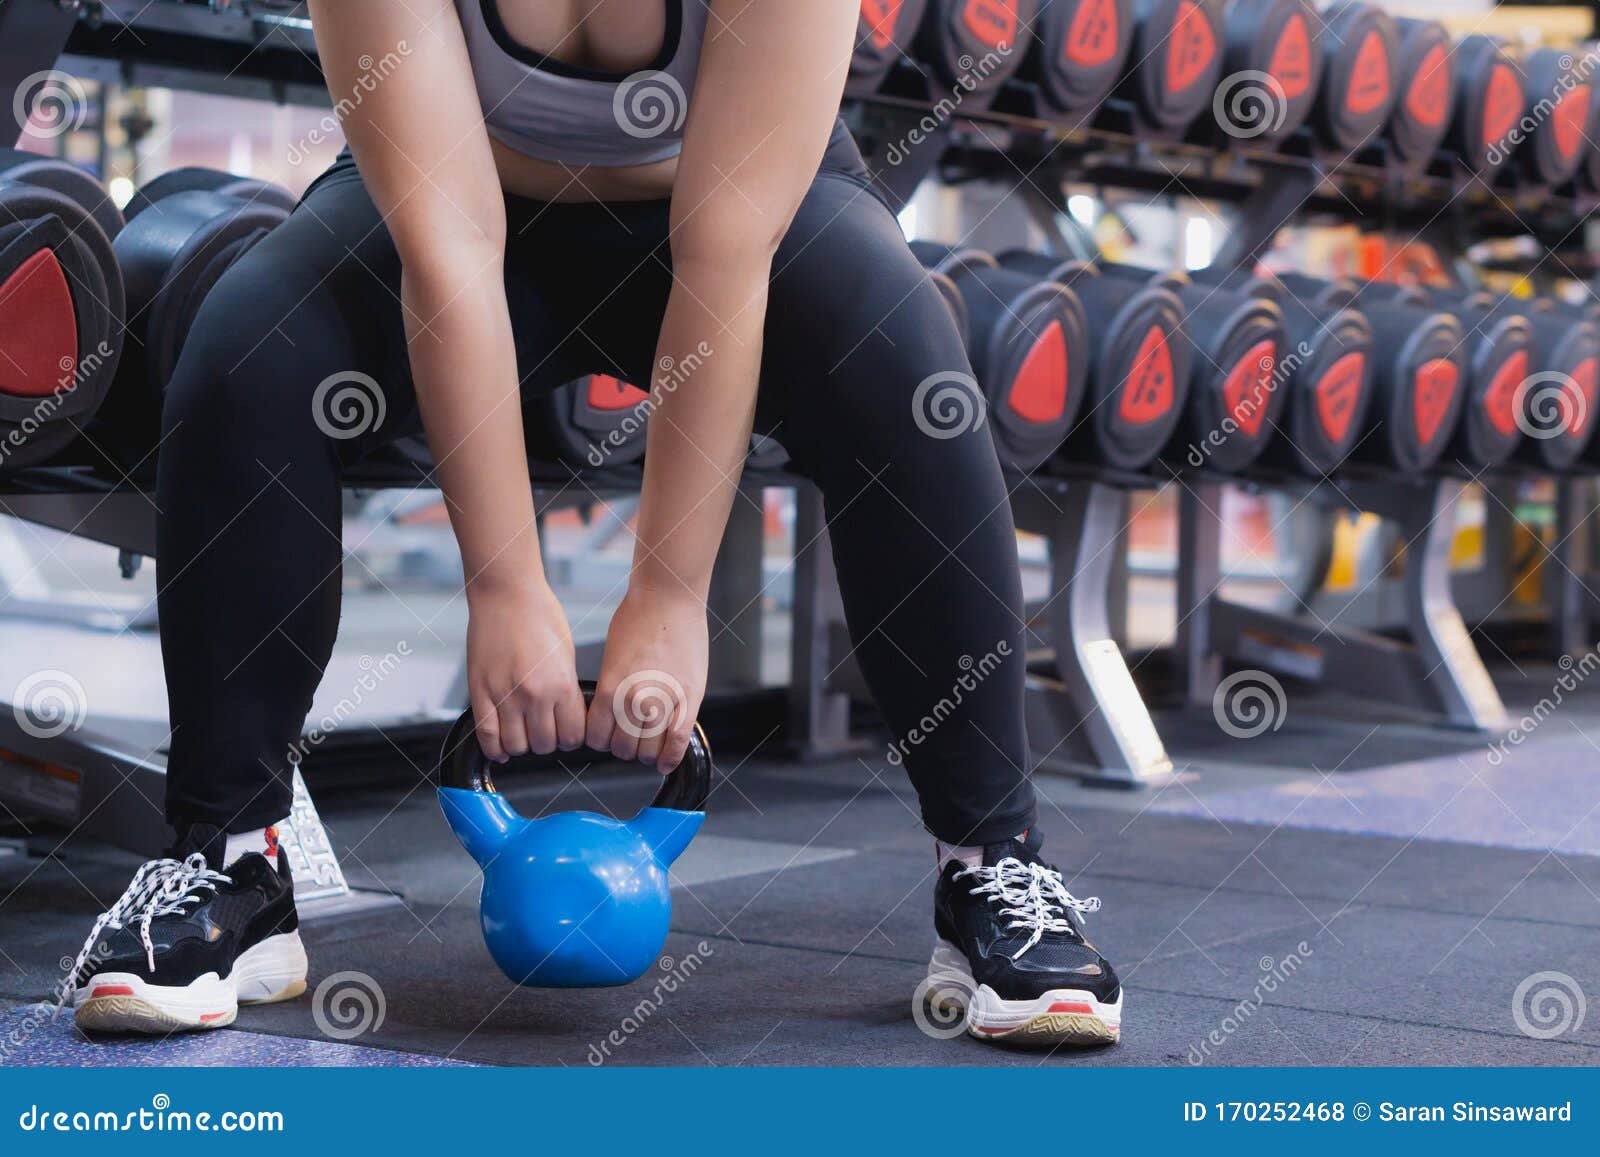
[1500, 399]
[1291, 58]
[1428, 99]
[1148, 389]
[1194, 44]
[1435, 384]
[881, 16]
[1337, 394]
[1369, 79]
[1092, 39]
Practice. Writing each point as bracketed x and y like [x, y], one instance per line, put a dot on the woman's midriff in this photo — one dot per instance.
[547, 181]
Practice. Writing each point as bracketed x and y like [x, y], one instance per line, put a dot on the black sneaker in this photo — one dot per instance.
[1011, 954]
[187, 944]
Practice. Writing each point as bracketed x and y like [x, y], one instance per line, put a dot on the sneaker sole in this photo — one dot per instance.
[272, 971]
[1062, 1016]
[118, 1002]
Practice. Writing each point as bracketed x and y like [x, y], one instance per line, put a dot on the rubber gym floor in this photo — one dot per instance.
[1394, 882]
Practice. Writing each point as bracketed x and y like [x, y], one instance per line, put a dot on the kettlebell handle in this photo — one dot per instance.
[463, 765]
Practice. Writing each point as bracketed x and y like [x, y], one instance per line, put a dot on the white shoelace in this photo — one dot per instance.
[1032, 895]
[159, 888]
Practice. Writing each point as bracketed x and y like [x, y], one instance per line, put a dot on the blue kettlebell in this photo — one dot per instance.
[572, 900]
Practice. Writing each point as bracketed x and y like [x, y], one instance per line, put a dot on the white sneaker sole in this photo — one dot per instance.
[271, 971]
[1062, 1016]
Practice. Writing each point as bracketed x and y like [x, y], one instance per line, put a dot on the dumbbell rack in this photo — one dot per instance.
[1437, 671]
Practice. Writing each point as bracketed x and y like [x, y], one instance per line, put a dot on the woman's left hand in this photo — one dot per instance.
[652, 679]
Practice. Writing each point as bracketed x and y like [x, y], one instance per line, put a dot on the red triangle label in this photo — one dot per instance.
[1039, 391]
[1587, 378]
[38, 329]
[1337, 393]
[1092, 38]
[992, 22]
[1500, 399]
[1428, 98]
[1369, 79]
[880, 17]
[1249, 387]
[1291, 58]
[1572, 110]
[609, 393]
[1502, 105]
[1191, 47]
[1148, 390]
[1434, 388]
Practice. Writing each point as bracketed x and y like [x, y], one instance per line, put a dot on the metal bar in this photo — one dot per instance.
[1091, 723]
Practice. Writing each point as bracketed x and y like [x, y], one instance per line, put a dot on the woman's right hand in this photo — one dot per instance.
[522, 673]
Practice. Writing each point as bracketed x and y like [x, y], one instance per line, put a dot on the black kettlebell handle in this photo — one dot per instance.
[463, 765]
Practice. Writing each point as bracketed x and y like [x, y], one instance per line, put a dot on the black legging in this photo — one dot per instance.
[249, 489]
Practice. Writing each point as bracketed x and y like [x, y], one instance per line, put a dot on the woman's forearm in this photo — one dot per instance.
[464, 362]
[708, 362]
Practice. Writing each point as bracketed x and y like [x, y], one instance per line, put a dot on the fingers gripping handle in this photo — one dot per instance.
[463, 765]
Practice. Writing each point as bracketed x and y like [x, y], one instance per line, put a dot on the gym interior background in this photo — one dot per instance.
[1311, 623]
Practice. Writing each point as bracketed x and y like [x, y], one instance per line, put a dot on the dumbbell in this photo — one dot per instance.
[598, 420]
[1559, 398]
[1079, 50]
[1554, 148]
[1236, 394]
[1489, 100]
[1029, 344]
[1418, 368]
[1421, 116]
[1273, 66]
[1499, 360]
[885, 31]
[182, 235]
[1360, 78]
[62, 306]
[1326, 375]
[190, 179]
[1139, 374]
[1176, 61]
[976, 45]
[1589, 167]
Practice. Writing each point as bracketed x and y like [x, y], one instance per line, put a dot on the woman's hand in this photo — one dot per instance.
[521, 673]
[652, 679]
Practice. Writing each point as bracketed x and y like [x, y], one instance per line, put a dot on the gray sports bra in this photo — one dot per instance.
[543, 108]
